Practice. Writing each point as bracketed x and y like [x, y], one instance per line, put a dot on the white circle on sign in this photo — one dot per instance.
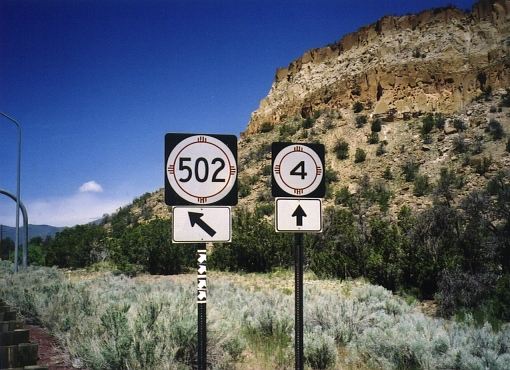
[298, 170]
[201, 169]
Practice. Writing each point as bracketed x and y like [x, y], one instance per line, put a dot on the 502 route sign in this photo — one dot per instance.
[200, 169]
[298, 170]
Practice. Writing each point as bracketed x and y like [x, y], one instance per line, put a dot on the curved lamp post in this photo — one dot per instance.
[25, 224]
[17, 192]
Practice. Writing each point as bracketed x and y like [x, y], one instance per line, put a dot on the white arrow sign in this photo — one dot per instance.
[202, 295]
[298, 215]
[201, 224]
[202, 283]
[202, 257]
[202, 269]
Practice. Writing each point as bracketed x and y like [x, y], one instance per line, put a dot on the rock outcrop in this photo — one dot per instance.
[435, 61]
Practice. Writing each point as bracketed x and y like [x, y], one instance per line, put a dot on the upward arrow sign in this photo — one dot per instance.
[299, 214]
[202, 295]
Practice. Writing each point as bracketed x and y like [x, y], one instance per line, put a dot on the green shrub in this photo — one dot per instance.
[477, 147]
[343, 196]
[439, 121]
[427, 139]
[501, 298]
[381, 195]
[427, 124]
[505, 100]
[243, 189]
[266, 127]
[264, 209]
[421, 185]
[376, 125]
[357, 107]
[373, 138]
[329, 123]
[267, 169]
[447, 182]
[481, 165]
[360, 155]
[319, 350]
[361, 120]
[341, 149]
[76, 247]
[496, 129]
[308, 123]
[459, 144]
[387, 174]
[410, 169]
[330, 176]
[150, 246]
[459, 124]
[381, 149]
[287, 130]
[255, 247]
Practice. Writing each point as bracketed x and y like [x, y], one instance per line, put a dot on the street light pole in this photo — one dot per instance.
[17, 194]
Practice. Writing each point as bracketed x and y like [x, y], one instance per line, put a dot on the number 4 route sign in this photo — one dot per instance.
[200, 169]
[298, 170]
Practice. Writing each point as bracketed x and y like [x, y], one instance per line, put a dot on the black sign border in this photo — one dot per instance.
[172, 198]
[277, 191]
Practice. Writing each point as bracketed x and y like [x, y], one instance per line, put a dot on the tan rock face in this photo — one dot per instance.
[435, 61]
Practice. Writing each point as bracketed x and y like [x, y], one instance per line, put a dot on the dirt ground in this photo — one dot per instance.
[50, 353]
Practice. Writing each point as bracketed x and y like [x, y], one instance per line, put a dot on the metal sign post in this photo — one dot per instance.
[298, 171]
[298, 304]
[202, 307]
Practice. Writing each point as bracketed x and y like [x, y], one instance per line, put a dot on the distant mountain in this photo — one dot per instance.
[33, 230]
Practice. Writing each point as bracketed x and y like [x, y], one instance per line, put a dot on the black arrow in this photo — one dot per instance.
[299, 214]
[195, 218]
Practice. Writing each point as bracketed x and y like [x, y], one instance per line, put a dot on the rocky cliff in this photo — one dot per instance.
[373, 93]
[435, 61]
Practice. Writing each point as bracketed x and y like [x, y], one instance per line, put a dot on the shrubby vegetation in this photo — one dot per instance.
[357, 107]
[495, 129]
[361, 120]
[429, 253]
[360, 155]
[410, 170]
[122, 323]
[341, 149]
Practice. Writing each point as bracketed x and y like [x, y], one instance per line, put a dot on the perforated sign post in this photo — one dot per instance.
[298, 184]
[201, 182]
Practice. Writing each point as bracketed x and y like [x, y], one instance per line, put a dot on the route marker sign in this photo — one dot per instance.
[200, 169]
[202, 224]
[298, 170]
[298, 215]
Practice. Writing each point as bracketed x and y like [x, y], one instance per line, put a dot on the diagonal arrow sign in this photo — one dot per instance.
[202, 257]
[299, 214]
[202, 269]
[202, 295]
[202, 283]
[195, 218]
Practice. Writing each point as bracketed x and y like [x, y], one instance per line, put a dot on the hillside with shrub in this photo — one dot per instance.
[418, 181]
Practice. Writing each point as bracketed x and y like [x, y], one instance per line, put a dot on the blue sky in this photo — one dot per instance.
[97, 84]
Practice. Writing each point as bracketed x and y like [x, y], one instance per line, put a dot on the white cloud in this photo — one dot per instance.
[91, 187]
[79, 208]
